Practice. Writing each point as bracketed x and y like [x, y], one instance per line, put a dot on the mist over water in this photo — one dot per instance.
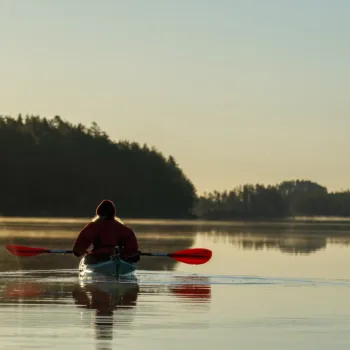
[267, 286]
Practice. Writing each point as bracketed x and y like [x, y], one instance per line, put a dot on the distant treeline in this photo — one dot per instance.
[289, 198]
[49, 167]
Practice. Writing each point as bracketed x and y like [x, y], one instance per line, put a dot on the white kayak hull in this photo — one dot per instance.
[114, 267]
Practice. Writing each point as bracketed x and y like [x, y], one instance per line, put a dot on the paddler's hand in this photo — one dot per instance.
[77, 254]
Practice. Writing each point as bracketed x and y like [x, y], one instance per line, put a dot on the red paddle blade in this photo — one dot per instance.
[195, 256]
[19, 250]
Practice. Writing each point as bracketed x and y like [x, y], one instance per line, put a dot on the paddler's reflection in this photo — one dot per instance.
[105, 298]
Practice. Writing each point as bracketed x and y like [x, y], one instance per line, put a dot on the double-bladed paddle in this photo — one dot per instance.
[193, 256]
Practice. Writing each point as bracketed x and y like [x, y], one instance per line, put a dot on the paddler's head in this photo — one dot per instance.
[106, 210]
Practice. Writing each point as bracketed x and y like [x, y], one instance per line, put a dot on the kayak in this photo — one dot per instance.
[114, 267]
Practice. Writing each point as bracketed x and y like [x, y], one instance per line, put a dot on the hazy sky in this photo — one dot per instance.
[237, 91]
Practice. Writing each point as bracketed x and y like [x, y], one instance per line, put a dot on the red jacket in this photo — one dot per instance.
[104, 236]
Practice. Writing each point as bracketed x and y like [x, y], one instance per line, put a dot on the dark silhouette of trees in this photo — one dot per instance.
[289, 198]
[246, 201]
[50, 167]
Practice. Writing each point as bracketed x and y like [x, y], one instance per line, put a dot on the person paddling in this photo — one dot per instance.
[104, 234]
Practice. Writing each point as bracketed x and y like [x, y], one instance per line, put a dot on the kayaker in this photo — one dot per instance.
[104, 233]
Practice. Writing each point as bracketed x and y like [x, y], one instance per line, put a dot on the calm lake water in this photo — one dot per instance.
[281, 286]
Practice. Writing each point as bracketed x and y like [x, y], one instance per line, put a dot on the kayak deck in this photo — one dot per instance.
[114, 267]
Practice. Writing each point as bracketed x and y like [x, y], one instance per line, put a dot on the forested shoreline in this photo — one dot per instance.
[287, 199]
[51, 167]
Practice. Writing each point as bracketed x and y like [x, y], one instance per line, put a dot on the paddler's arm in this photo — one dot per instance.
[85, 238]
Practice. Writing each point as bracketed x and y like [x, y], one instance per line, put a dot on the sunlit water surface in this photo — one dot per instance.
[282, 286]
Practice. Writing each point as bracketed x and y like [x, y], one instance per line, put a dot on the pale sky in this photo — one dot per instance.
[237, 91]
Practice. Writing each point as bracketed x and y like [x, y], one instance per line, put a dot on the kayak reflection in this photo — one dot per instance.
[105, 298]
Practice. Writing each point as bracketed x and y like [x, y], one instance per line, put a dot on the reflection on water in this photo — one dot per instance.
[110, 305]
[105, 298]
[289, 243]
[266, 287]
[192, 287]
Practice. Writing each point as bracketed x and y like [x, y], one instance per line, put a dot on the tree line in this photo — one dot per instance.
[287, 199]
[51, 167]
